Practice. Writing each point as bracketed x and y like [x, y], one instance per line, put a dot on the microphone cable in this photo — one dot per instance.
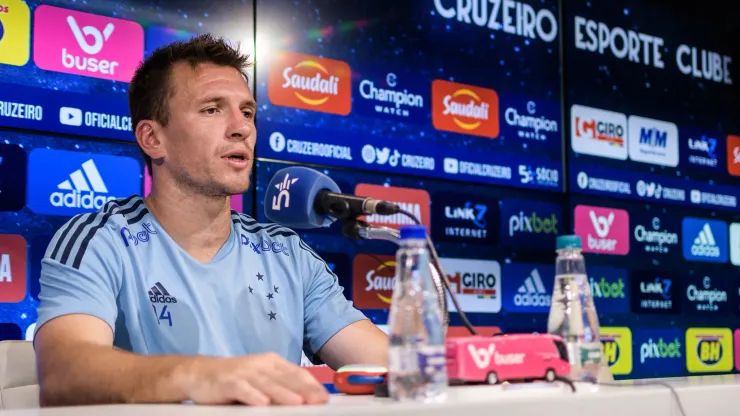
[442, 276]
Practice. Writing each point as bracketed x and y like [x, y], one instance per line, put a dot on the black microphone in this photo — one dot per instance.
[343, 206]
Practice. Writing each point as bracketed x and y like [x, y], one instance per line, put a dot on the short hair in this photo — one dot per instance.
[150, 87]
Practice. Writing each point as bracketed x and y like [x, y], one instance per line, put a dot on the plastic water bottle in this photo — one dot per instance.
[416, 363]
[572, 312]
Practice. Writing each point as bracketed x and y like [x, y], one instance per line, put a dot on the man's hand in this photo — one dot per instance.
[258, 380]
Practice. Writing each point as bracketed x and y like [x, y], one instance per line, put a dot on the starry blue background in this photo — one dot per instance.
[410, 39]
[605, 82]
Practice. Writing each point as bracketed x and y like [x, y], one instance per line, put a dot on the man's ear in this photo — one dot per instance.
[149, 137]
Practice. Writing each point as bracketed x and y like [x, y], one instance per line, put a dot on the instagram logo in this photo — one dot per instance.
[237, 201]
[86, 44]
[603, 230]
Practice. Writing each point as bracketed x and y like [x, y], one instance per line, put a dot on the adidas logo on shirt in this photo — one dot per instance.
[532, 292]
[84, 189]
[704, 244]
[158, 294]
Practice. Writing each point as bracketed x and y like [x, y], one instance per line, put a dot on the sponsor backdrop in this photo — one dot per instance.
[452, 108]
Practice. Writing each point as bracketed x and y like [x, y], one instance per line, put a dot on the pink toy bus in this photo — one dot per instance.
[477, 359]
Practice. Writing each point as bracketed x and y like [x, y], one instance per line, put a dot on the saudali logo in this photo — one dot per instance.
[415, 201]
[12, 268]
[15, 32]
[310, 83]
[603, 230]
[86, 44]
[476, 283]
[373, 278]
[464, 109]
[733, 155]
[709, 350]
[617, 343]
[598, 132]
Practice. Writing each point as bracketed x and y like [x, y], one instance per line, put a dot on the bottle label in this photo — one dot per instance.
[425, 361]
[432, 362]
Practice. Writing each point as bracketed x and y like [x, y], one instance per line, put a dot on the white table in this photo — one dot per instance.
[711, 396]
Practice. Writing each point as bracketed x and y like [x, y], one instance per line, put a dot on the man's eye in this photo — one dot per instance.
[211, 110]
[248, 113]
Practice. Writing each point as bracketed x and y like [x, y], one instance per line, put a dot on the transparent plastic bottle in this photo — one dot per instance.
[416, 363]
[572, 312]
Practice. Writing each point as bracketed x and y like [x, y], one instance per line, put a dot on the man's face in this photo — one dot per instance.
[210, 137]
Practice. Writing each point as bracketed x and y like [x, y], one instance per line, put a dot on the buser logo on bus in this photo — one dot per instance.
[310, 83]
[464, 109]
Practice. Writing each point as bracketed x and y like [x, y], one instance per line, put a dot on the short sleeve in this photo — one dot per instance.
[81, 271]
[326, 310]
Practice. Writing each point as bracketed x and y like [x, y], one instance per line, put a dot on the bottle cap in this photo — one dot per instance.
[413, 232]
[568, 241]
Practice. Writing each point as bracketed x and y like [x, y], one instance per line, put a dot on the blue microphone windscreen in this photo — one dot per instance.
[289, 198]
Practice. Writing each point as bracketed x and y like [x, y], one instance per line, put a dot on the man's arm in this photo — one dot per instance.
[360, 342]
[77, 363]
[336, 333]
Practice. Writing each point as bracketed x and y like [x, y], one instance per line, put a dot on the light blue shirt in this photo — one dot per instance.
[264, 291]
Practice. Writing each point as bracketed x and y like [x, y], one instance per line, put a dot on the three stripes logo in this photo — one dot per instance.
[85, 188]
[158, 294]
[704, 244]
[705, 240]
[532, 292]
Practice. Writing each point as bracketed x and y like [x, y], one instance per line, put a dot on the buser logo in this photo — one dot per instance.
[310, 82]
[464, 109]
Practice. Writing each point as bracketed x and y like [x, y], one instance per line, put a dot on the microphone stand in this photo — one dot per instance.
[360, 230]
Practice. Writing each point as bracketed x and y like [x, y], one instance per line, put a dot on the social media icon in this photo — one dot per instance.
[695, 196]
[582, 180]
[277, 142]
[15, 32]
[451, 166]
[70, 116]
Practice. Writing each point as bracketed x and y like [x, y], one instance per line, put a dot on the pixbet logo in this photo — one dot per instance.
[282, 199]
[532, 223]
[660, 349]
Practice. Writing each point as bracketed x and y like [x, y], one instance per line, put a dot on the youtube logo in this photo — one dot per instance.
[70, 116]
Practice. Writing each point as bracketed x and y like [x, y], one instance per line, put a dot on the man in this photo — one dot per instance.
[175, 297]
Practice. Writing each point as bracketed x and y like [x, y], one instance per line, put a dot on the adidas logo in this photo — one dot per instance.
[158, 294]
[704, 244]
[82, 189]
[532, 292]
